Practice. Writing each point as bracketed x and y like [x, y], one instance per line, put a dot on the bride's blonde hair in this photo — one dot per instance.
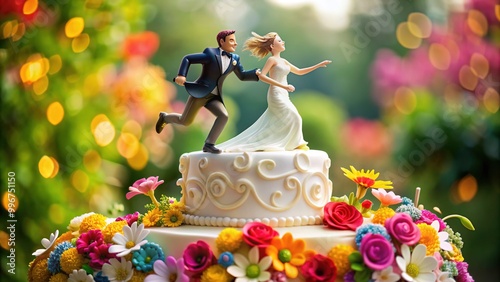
[259, 45]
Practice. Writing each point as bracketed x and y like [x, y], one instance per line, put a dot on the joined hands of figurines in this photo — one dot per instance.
[280, 126]
[206, 91]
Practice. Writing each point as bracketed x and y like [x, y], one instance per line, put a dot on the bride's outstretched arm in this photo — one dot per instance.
[302, 71]
[270, 63]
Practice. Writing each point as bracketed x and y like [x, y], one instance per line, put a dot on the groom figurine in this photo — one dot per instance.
[206, 91]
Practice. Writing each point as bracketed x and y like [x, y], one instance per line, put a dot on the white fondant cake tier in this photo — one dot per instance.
[318, 238]
[286, 188]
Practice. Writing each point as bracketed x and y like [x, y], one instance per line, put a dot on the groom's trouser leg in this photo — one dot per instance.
[216, 107]
[193, 105]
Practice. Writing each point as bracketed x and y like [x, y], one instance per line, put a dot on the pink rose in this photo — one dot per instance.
[197, 257]
[377, 251]
[402, 229]
[319, 268]
[258, 234]
[341, 216]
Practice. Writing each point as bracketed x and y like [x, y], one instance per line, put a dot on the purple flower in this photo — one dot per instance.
[88, 240]
[428, 217]
[377, 251]
[402, 229]
[463, 273]
[197, 257]
[130, 218]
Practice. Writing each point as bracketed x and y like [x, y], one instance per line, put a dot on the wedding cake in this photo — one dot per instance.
[258, 216]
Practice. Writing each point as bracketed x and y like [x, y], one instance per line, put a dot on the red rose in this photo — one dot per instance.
[258, 234]
[341, 216]
[319, 268]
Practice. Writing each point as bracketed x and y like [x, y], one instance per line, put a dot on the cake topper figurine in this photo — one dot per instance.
[280, 126]
[206, 91]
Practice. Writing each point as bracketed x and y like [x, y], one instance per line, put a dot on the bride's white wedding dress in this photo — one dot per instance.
[279, 128]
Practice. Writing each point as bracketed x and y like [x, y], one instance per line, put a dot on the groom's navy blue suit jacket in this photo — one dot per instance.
[211, 74]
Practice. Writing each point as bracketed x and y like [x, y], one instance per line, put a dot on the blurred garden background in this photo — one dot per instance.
[412, 92]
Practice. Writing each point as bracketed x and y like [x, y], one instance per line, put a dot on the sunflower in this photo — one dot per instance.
[365, 180]
[173, 218]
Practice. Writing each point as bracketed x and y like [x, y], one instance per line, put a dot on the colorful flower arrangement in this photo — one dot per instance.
[408, 243]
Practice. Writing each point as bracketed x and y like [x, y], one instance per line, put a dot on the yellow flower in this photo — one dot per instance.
[365, 180]
[173, 218]
[39, 270]
[340, 256]
[67, 236]
[216, 273]
[71, 260]
[455, 255]
[429, 237]
[382, 214]
[152, 217]
[288, 254]
[229, 240]
[59, 277]
[92, 222]
[177, 206]
[111, 229]
[139, 276]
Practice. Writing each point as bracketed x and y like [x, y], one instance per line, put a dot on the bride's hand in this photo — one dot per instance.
[290, 88]
[324, 63]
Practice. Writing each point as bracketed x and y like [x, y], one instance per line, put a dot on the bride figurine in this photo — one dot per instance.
[279, 128]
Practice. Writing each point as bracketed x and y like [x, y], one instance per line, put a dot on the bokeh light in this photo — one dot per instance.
[55, 113]
[48, 167]
[127, 145]
[10, 202]
[477, 22]
[80, 180]
[406, 38]
[35, 68]
[466, 188]
[41, 85]
[140, 159]
[80, 43]
[467, 78]
[491, 100]
[439, 56]
[419, 25]
[55, 64]
[102, 129]
[30, 6]
[92, 161]
[405, 100]
[74, 27]
[479, 65]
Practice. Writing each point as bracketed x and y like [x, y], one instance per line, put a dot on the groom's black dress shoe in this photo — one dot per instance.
[210, 148]
[160, 124]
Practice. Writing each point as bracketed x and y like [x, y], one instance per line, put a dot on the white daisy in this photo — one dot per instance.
[80, 276]
[250, 269]
[416, 266]
[443, 237]
[132, 239]
[120, 271]
[385, 275]
[444, 276]
[47, 243]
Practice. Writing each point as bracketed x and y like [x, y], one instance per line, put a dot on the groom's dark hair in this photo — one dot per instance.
[222, 35]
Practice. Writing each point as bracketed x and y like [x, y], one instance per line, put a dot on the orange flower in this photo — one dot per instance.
[365, 180]
[288, 254]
